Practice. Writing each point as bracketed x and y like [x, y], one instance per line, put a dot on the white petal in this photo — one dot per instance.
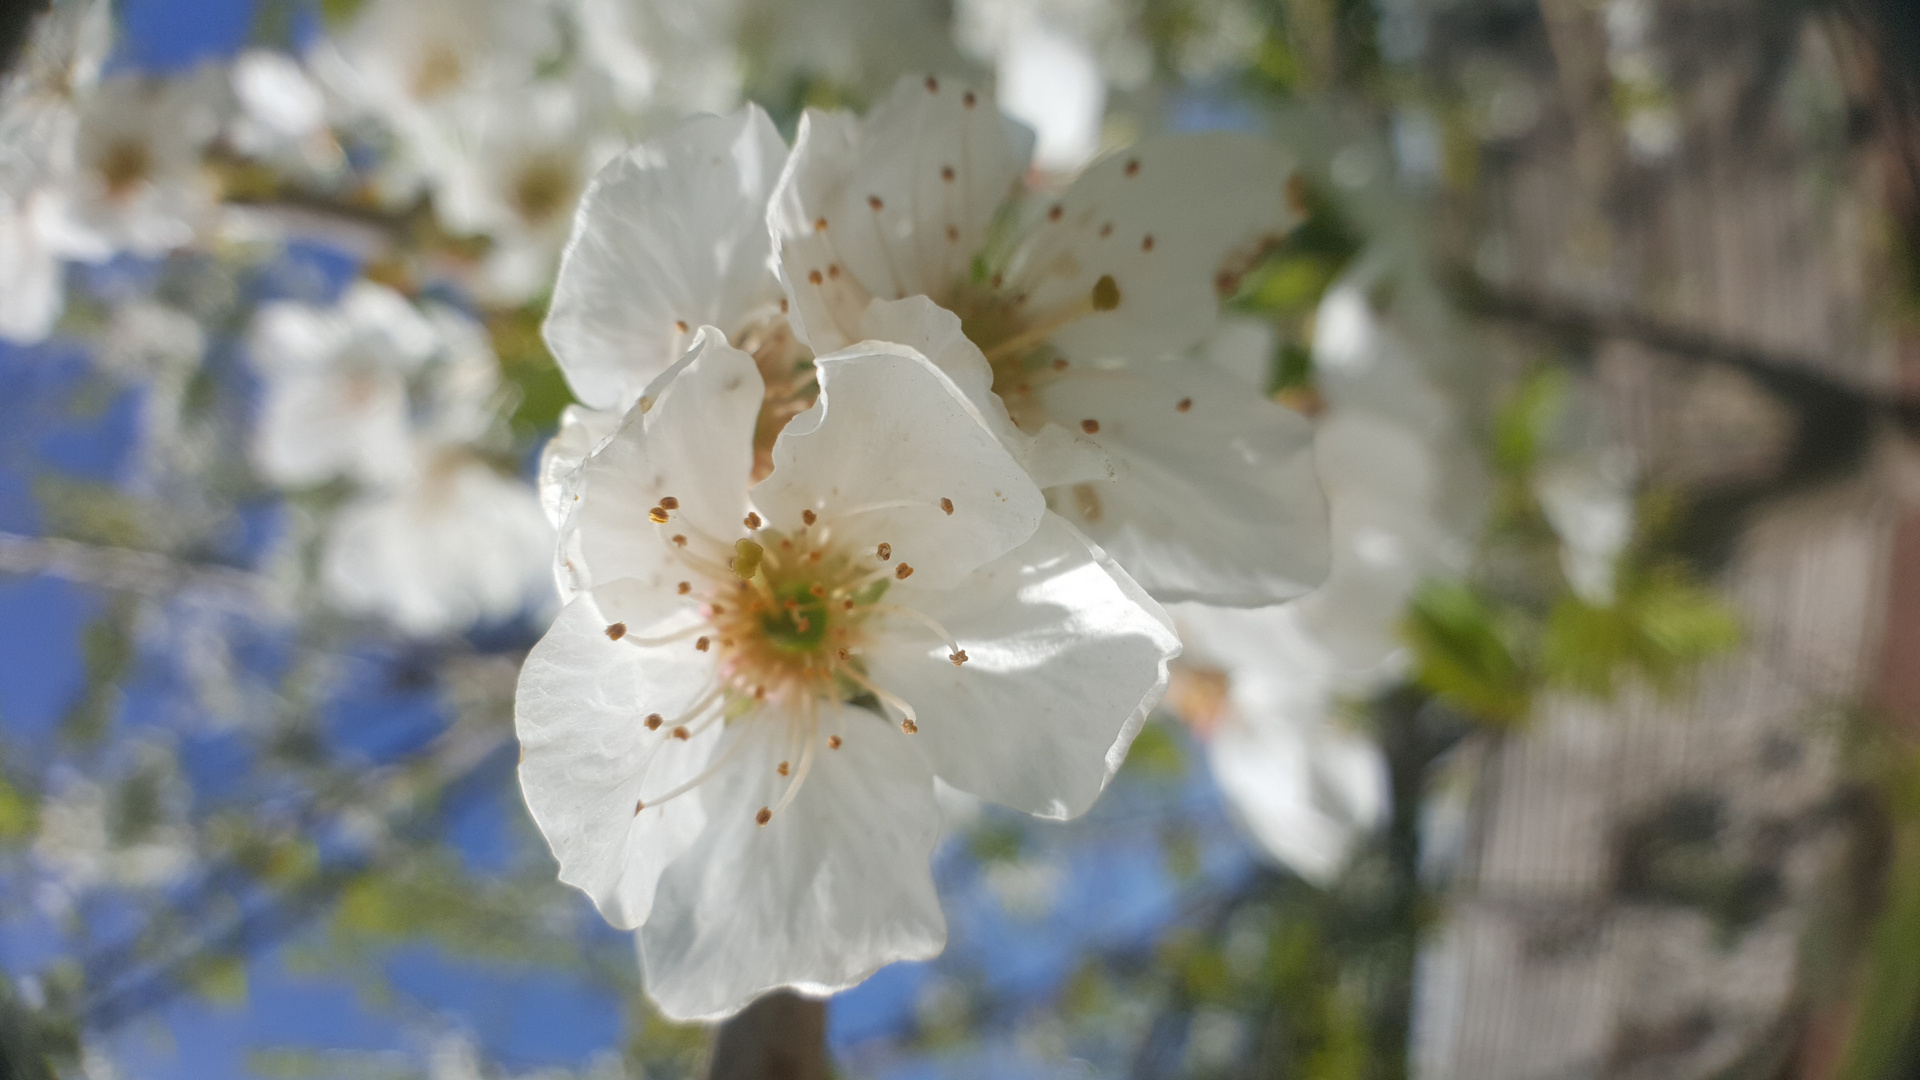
[586, 757]
[888, 439]
[1164, 218]
[1066, 656]
[834, 887]
[673, 231]
[1055, 456]
[922, 235]
[1218, 502]
[690, 438]
[581, 432]
[314, 427]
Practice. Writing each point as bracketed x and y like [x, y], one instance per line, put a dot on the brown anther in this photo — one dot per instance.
[716, 609]
[1226, 283]
[815, 556]
[703, 644]
[884, 551]
[639, 805]
[1059, 363]
[654, 720]
[1106, 293]
[783, 305]
[843, 655]
[1186, 404]
[1054, 213]
[947, 506]
[670, 502]
[1299, 195]
[657, 515]
[846, 605]
[819, 224]
[786, 544]
[909, 726]
[809, 516]
[968, 99]
[994, 282]
[682, 734]
[765, 815]
[1146, 242]
[833, 270]
[953, 234]
[874, 202]
[680, 325]
[759, 693]
[958, 656]
[833, 742]
[686, 587]
[679, 540]
[616, 631]
[814, 276]
[782, 768]
[933, 85]
[1106, 230]
[1091, 427]
[1133, 166]
[752, 519]
[816, 589]
[946, 173]
[903, 571]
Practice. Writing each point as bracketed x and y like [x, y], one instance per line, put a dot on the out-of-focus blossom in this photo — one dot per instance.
[709, 729]
[1266, 698]
[282, 115]
[1072, 305]
[139, 184]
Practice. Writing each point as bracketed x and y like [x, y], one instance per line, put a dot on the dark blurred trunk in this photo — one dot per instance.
[782, 1036]
[16, 17]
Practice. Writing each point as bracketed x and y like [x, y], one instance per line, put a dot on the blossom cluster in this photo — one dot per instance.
[885, 462]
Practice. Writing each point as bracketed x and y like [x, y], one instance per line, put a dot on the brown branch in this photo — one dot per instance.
[782, 1036]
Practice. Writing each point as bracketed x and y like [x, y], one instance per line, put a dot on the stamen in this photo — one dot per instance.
[657, 515]
[884, 551]
[1104, 296]
[670, 503]
[752, 520]
[705, 774]
[809, 516]
[947, 506]
[910, 720]
[765, 815]
[833, 742]
[617, 631]
[958, 656]
[924, 619]
[667, 639]
[903, 571]
[654, 720]
[799, 775]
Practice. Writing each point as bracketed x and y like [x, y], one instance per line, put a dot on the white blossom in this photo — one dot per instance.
[138, 183]
[731, 733]
[1078, 309]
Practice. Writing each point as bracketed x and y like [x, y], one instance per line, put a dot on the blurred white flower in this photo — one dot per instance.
[455, 544]
[1070, 313]
[1588, 500]
[88, 842]
[1265, 696]
[31, 291]
[334, 399]
[709, 729]
[139, 184]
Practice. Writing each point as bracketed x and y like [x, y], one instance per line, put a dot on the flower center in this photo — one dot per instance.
[124, 165]
[544, 187]
[1015, 339]
[438, 71]
[787, 615]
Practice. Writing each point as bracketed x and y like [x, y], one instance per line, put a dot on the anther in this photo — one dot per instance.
[994, 282]
[654, 720]
[809, 516]
[765, 815]
[657, 515]
[1186, 403]
[1146, 242]
[953, 234]
[947, 505]
[1059, 363]
[833, 742]
[958, 656]
[903, 571]
[819, 224]
[1106, 230]
[843, 655]
[782, 769]
[679, 540]
[848, 605]
[946, 173]
[616, 631]
[639, 805]
[1133, 166]
[933, 85]
[1054, 214]
[817, 589]
[1106, 293]
[681, 733]
[814, 276]
[686, 587]
[884, 551]
[703, 644]
[752, 519]
[670, 502]
[833, 270]
[909, 726]
[1091, 427]
[968, 100]
[874, 202]
[680, 325]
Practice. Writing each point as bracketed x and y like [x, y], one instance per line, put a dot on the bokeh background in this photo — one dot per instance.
[1634, 282]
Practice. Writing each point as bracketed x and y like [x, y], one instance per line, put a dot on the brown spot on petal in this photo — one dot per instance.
[946, 173]
[1146, 242]
[968, 99]
[933, 85]
[1186, 404]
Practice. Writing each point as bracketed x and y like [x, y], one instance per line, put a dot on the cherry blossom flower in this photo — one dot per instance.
[1264, 695]
[1076, 308]
[730, 736]
[138, 182]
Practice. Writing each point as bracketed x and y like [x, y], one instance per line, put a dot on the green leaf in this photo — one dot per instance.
[1464, 655]
[1523, 423]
